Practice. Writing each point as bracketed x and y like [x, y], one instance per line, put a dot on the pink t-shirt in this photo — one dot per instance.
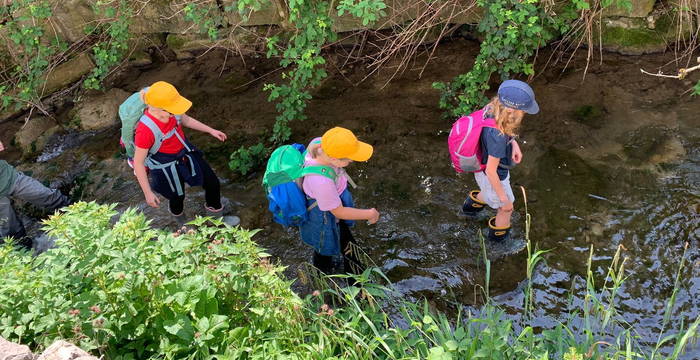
[325, 191]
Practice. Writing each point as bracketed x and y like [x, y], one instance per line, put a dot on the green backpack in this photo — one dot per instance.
[130, 111]
[282, 184]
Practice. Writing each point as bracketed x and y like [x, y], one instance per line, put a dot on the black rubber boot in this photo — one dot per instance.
[498, 234]
[472, 206]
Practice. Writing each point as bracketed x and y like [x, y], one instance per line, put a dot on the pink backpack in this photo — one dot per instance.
[463, 142]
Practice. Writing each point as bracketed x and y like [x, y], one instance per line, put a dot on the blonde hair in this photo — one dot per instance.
[314, 150]
[507, 120]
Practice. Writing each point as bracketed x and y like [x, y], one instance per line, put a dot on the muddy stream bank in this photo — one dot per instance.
[610, 161]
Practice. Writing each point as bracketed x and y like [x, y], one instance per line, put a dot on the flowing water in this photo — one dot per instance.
[610, 161]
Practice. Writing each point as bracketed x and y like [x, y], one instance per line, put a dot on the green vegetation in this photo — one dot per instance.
[127, 291]
[109, 51]
[35, 47]
[30, 51]
[299, 48]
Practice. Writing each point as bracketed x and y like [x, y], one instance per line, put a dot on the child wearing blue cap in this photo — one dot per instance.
[500, 152]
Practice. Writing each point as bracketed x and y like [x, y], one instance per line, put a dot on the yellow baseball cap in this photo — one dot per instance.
[164, 95]
[341, 143]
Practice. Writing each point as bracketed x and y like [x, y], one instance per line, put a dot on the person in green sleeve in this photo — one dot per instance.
[16, 186]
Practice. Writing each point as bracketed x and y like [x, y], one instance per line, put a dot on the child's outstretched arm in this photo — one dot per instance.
[195, 124]
[2, 147]
[350, 213]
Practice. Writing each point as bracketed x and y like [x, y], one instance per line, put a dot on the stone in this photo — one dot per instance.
[638, 9]
[72, 17]
[34, 135]
[12, 351]
[652, 144]
[160, 17]
[63, 350]
[68, 73]
[633, 36]
[100, 112]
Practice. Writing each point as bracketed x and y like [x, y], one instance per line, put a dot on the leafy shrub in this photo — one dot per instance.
[246, 158]
[129, 291]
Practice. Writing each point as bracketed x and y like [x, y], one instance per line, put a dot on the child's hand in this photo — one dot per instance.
[218, 134]
[2, 147]
[152, 200]
[517, 154]
[374, 217]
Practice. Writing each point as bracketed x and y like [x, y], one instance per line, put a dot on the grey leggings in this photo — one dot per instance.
[32, 191]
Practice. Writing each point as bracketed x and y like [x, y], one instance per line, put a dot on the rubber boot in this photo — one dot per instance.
[180, 219]
[472, 205]
[229, 220]
[498, 234]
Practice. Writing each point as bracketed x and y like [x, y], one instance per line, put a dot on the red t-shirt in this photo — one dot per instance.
[143, 136]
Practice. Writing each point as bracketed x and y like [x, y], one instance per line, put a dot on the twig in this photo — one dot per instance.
[682, 72]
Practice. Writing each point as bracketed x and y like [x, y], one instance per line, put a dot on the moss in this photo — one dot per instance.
[591, 115]
[635, 35]
[175, 42]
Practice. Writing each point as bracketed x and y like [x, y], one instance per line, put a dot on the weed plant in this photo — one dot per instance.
[123, 290]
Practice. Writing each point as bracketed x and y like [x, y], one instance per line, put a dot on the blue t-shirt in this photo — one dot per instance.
[495, 143]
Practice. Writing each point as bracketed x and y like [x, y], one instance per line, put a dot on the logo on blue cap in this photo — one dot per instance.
[516, 94]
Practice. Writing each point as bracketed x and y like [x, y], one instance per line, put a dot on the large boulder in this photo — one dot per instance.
[101, 111]
[34, 135]
[62, 350]
[12, 351]
[639, 8]
[269, 14]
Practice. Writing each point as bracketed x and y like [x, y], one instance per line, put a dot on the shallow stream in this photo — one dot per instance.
[610, 161]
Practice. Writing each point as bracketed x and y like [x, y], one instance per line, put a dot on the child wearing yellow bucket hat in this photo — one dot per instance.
[161, 146]
[330, 203]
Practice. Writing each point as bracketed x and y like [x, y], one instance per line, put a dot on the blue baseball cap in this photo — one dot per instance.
[518, 95]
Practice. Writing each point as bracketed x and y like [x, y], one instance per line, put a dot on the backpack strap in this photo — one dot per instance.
[159, 136]
[322, 170]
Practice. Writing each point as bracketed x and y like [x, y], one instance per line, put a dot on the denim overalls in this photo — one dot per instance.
[321, 230]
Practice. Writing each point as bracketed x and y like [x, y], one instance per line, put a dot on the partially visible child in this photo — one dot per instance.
[174, 161]
[331, 205]
[501, 152]
[15, 185]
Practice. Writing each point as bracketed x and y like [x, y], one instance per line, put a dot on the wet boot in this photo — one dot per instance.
[498, 234]
[229, 220]
[472, 206]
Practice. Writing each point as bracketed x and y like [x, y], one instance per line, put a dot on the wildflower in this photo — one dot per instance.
[316, 293]
[212, 266]
[324, 308]
[330, 312]
[95, 309]
[74, 312]
[197, 335]
[98, 322]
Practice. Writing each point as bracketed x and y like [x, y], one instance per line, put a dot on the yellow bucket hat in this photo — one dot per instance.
[341, 143]
[164, 95]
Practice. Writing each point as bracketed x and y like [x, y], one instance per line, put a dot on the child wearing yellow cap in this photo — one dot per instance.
[331, 205]
[161, 146]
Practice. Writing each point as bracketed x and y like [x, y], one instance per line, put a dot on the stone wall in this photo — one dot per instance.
[649, 26]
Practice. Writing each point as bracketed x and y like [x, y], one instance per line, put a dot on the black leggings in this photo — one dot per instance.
[351, 264]
[212, 190]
